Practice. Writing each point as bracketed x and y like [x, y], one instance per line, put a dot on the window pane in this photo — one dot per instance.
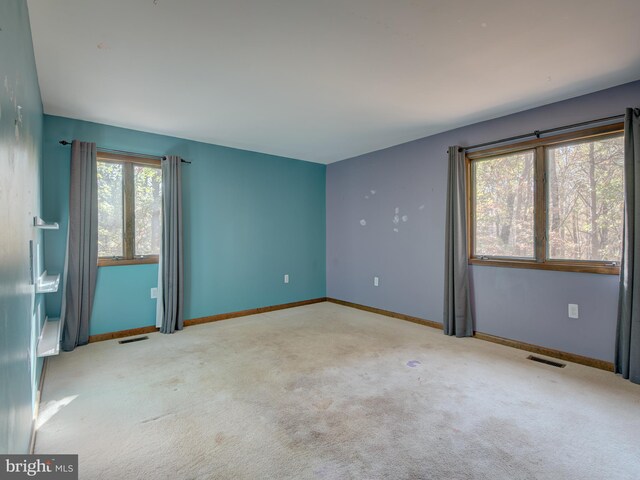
[110, 227]
[504, 205]
[148, 183]
[585, 198]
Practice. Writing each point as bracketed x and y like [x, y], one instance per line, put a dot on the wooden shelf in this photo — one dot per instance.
[47, 283]
[39, 223]
[49, 341]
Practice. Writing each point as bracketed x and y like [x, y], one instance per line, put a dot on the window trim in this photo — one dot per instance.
[540, 262]
[128, 162]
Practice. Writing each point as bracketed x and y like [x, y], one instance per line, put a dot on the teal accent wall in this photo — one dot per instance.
[122, 298]
[20, 159]
[249, 218]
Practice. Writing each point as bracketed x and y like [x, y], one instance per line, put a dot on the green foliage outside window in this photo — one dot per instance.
[583, 204]
[118, 235]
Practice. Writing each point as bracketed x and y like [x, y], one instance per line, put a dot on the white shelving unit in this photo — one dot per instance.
[39, 223]
[47, 283]
[49, 341]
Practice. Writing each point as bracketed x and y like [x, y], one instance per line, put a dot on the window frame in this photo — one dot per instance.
[128, 209]
[540, 261]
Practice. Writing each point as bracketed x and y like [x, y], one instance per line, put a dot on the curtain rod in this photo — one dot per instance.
[122, 152]
[538, 133]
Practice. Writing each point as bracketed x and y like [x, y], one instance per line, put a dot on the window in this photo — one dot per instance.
[554, 203]
[129, 209]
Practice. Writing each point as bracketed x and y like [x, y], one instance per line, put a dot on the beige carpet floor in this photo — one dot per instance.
[330, 392]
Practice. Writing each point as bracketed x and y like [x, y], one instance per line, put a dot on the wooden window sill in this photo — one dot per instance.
[115, 262]
[581, 267]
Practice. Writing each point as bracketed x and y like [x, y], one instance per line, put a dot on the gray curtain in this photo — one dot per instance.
[171, 261]
[627, 361]
[457, 319]
[82, 249]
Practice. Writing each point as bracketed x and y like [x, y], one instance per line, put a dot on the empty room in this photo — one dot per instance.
[355, 239]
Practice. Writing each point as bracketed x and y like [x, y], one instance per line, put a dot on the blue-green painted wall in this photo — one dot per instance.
[122, 298]
[20, 160]
[249, 218]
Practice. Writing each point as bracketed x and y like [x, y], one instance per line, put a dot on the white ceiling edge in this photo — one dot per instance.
[327, 81]
[256, 149]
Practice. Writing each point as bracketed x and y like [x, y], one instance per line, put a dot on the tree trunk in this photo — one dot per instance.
[156, 221]
[595, 241]
[557, 247]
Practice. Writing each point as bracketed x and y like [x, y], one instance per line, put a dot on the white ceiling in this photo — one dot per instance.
[323, 80]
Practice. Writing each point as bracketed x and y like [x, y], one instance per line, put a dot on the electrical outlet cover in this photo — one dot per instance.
[573, 310]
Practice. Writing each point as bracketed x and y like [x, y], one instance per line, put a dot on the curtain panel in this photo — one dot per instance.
[627, 359]
[171, 256]
[458, 318]
[82, 245]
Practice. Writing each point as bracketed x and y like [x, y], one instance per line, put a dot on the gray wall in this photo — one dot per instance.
[20, 160]
[525, 305]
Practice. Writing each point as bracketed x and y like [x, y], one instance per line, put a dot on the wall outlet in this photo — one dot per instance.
[376, 282]
[154, 292]
[286, 278]
[573, 310]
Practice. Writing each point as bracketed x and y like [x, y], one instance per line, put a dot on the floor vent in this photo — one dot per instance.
[548, 362]
[139, 339]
